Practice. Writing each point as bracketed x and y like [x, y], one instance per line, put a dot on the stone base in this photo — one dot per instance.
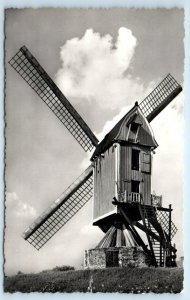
[115, 257]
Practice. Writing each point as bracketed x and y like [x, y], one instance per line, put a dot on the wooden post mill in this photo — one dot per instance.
[138, 228]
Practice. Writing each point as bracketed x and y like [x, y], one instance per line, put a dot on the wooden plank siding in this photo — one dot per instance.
[127, 174]
[113, 172]
[146, 188]
[125, 169]
[146, 177]
[104, 183]
[136, 175]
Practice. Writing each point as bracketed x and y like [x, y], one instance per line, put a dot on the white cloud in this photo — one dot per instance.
[168, 160]
[94, 68]
[107, 127]
[167, 178]
[18, 208]
[97, 70]
[111, 123]
[18, 215]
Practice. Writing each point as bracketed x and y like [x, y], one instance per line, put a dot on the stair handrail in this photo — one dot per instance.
[148, 237]
[164, 245]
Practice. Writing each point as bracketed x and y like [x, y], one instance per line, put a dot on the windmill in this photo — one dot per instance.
[119, 174]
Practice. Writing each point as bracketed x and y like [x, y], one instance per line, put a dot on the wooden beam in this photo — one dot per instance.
[118, 238]
[147, 234]
[157, 226]
[101, 243]
[58, 202]
[152, 234]
[33, 61]
[133, 230]
[164, 103]
[170, 220]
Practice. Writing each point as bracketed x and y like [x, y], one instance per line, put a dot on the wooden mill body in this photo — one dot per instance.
[122, 192]
[123, 165]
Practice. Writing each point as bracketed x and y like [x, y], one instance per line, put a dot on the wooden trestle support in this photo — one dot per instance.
[155, 222]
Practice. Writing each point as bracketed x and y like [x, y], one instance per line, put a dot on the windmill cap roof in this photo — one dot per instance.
[134, 115]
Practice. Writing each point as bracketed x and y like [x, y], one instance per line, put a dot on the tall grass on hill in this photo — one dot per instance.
[122, 280]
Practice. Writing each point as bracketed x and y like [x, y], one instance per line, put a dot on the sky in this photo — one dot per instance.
[103, 60]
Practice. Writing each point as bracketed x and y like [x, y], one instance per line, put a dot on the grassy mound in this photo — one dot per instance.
[122, 280]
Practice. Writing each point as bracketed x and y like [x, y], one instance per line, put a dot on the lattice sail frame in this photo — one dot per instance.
[61, 211]
[31, 71]
[160, 97]
[74, 198]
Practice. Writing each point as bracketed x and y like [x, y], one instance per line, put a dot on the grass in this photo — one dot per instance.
[122, 280]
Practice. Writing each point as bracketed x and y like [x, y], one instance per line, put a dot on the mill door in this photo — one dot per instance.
[112, 258]
[135, 186]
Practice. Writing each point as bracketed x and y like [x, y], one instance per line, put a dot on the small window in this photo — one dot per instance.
[134, 127]
[135, 159]
[133, 131]
[135, 186]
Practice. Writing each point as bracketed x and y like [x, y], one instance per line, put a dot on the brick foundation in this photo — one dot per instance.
[114, 257]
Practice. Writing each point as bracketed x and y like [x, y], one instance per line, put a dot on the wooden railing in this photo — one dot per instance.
[129, 197]
[137, 197]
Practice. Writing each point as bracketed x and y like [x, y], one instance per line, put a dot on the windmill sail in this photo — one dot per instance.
[30, 70]
[160, 97]
[61, 211]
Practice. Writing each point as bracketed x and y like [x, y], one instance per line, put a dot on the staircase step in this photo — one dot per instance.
[149, 216]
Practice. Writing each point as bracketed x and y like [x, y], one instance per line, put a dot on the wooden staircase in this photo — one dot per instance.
[158, 228]
[148, 214]
[158, 248]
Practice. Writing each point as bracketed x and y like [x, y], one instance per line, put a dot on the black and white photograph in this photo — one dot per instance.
[94, 146]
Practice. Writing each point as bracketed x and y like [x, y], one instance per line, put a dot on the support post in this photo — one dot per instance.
[170, 220]
[169, 233]
[161, 258]
[133, 230]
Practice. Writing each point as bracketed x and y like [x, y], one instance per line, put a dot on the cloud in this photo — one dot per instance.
[168, 160]
[111, 123]
[167, 179]
[18, 215]
[18, 208]
[100, 135]
[99, 71]
[95, 68]
[107, 127]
